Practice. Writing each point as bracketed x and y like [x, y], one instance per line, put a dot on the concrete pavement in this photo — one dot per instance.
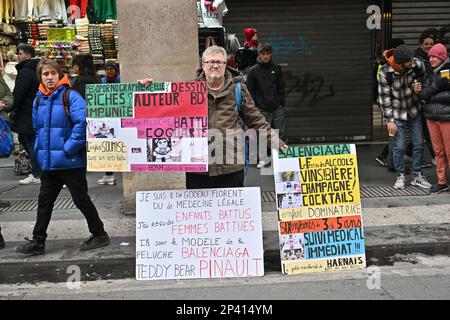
[392, 225]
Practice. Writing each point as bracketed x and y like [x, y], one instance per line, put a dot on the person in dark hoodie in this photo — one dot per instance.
[24, 92]
[426, 42]
[435, 91]
[83, 66]
[402, 107]
[61, 151]
[246, 56]
[111, 76]
[266, 85]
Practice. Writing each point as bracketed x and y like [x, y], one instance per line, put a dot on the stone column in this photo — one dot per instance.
[157, 39]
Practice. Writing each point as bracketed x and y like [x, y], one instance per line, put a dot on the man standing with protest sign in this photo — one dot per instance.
[224, 124]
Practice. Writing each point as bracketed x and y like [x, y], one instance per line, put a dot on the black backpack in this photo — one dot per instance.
[65, 102]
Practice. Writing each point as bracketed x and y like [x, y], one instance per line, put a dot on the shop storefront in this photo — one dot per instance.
[60, 29]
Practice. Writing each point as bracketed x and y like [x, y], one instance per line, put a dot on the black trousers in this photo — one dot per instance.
[203, 181]
[51, 185]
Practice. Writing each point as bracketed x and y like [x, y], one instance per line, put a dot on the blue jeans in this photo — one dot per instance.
[27, 141]
[398, 142]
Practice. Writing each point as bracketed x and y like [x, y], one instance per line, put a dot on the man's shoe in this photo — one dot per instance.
[33, 247]
[107, 180]
[4, 204]
[263, 163]
[438, 188]
[419, 180]
[95, 242]
[30, 180]
[426, 165]
[382, 161]
[400, 183]
[2, 241]
[433, 161]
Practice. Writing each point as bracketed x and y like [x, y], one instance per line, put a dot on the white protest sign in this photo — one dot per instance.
[205, 233]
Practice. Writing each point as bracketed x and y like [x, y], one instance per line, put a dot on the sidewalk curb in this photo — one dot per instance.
[118, 262]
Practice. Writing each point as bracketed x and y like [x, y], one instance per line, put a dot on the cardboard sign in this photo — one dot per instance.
[163, 127]
[205, 233]
[319, 206]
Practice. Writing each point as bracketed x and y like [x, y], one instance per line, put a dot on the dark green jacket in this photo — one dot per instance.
[5, 96]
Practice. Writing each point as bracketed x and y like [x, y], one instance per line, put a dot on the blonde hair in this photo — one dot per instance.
[12, 57]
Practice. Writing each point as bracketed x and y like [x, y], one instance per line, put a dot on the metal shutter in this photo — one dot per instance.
[411, 18]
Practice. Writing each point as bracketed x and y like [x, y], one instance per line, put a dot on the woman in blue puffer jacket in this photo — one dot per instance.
[61, 152]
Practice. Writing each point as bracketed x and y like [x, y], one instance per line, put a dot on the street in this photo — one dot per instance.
[414, 276]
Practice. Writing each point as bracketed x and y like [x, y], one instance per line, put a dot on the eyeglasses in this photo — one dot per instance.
[219, 63]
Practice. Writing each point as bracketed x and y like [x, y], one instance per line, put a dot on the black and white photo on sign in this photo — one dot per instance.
[289, 200]
[177, 149]
[287, 182]
[194, 150]
[292, 246]
[159, 150]
[103, 128]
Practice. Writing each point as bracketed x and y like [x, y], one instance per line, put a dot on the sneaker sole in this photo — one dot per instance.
[420, 185]
[381, 162]
[96, 247]
[437, 192]
[31, 253]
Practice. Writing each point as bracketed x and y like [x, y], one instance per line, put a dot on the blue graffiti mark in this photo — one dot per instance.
[282, 46]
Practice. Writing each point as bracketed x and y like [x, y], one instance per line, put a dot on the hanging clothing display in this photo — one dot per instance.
[82, 4]
[213, 12]
[23, 10]
[85, 26]
[103, 10]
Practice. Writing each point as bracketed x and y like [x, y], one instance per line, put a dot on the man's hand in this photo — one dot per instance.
[145, 82]
[3, 106]
[417, 86]
[283, 148]
[392, 128]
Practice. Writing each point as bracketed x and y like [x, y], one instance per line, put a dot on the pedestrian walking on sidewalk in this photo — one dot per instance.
[25, 90]
[223, 118]
[436, 93]
[61, 151]
[401, 107]
[266, 85]
[111, 76]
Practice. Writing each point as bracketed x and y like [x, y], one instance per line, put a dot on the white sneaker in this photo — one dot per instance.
[420, 181]
[433, 161]
[30, 180]
[400, 183]
[107, 180]
[263, 163]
